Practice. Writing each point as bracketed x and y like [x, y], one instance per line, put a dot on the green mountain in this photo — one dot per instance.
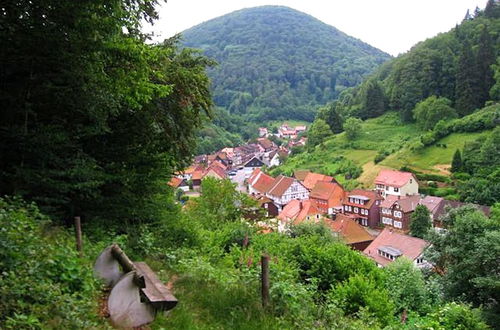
[458, 65]
[279, 63]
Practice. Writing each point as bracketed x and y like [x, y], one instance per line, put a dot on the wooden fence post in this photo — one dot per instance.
[78, 233]
[265, 280]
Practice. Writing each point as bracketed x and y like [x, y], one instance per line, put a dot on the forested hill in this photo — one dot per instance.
[276, 62]
[460, 65]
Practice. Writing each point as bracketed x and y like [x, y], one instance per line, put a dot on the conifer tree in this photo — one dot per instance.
[492, 9]
[456, 163]
[485, 58]
[374, 101]
[466, 88]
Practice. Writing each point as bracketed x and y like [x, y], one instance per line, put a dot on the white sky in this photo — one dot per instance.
[393, 26]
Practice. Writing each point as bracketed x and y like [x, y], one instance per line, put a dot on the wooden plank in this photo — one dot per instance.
[265, 280]
[155, 293]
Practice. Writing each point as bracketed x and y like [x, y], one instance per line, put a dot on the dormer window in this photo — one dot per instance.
[389, 252]
[396, 189]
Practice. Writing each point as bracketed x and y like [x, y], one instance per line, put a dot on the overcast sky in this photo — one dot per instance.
[393, 26]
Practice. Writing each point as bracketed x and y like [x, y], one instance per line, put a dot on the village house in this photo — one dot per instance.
[179, 183]
[396, 183]
[266, 144]
[438, 207]
[252, 164]
[395, 211]
[216, 170]
[328, 197]
[352, 233]
[285, 189]
[263, 132]
[311, 179]
[271, 210]
[390, 245]
[259, 182]
[296, 212]
[363, 206]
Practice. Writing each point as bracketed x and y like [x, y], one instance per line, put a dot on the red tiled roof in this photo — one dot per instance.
[297, 211]
[410, 247]
[389, 201]
[280, 185]
[175, 182]
[263, 183]
[329, 191]
[254, 175]
[312, 178]
[393, 178]
[197, 175]
[265, 143]
[350, 230]
[218, 171]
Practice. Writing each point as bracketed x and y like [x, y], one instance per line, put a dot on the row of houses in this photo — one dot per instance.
[357, 215]
[285, 131]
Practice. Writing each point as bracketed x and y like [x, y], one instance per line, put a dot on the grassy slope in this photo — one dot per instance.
[383, 133]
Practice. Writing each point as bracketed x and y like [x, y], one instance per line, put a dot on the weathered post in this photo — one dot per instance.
[265, 280]
[78, 233]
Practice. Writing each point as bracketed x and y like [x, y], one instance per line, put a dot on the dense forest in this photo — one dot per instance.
[278, 63]
[460, 66]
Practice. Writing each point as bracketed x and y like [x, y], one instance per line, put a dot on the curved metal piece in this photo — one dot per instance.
[124, 304]
[107, 268]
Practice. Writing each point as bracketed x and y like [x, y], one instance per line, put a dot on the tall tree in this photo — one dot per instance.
[83, 117]
[352, 128]
[430, 111]
[318, 132]
[467, 93]
[420, 221]
[373, 104]
[485, 59]
[492, 9]
[330, 114]
[456, 163]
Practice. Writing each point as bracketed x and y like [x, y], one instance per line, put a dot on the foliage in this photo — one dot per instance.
[359, 293]
[450, 317]
[318, 132]
[279, 71]
[331, 116]
[352, 127]
[456, 163]
[420, 221]
[406, 286]
[467, 252]
[431, 110]
[95, 118]
[43, 282]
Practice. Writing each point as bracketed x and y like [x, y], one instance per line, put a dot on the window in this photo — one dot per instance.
[386, 221]
[356, 201]
[377, 203]
[411, 181]
[396, 189]
[398, 224]
[387, 188]
[398, 214]
[355, 210]
[350, 209]
[294, 188]
[317, 216]
[364, 222]
[346, 207]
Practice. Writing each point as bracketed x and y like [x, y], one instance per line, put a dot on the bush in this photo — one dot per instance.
[381, 155]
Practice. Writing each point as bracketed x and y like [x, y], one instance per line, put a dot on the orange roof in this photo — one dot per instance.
[216, 171]
[197, 175]
[350, 230]
[280, 185]
[329, 191]
[312, 178]
[301, 174]
[394, 178]
[254, 175]
[263, 183]
[297, 211]
[175, 182]
[408, 246]
[219, 164]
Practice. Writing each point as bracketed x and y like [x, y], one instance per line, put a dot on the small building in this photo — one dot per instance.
[285, 189]
[395, 211]
[253, 163]
[179, 183]
[263, 132]
[266, 144]
[390, 245]
[297, 212]
[328, 197]
[259, 183]
[363, 206]
[438, 207]
[312, 179]
[396, 183]
[352, 233]
[271, 210]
